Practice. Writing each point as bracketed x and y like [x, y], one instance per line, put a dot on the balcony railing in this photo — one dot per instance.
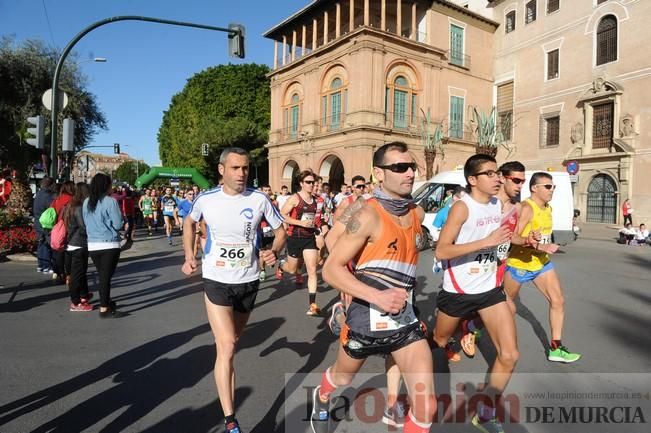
[333, 123]
[458, 59]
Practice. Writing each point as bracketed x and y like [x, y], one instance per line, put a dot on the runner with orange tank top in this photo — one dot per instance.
[382, 238]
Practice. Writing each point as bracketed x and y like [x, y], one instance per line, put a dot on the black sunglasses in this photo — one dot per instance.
[546, 185]
[360, 186]
[309, 182]
[515, 180]
[400, 167]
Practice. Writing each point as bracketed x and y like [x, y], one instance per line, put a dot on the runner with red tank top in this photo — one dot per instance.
[300, 212]
[512, 179]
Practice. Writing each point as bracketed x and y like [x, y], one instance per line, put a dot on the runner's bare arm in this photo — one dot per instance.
[523, 232]
[340, 223]
[359, 230]
[190, 264]
[280, 237]
[290, 204]
[343, 205]
[446, 248]
[421, 213]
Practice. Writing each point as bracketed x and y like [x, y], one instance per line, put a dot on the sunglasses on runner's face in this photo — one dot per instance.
[547, 185]
[309, 182]
[360, 186]
[487, 173]
[515, 180]
[399, 167]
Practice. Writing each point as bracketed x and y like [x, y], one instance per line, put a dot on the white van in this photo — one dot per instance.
[431, 193]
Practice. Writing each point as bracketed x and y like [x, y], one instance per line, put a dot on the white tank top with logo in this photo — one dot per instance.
[476, 272]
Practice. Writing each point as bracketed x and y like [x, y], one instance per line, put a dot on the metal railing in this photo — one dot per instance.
[458, 59]
[332, 123]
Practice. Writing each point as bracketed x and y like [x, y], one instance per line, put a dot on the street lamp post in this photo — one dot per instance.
[236, 32]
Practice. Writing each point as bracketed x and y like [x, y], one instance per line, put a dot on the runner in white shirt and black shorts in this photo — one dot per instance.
[468, 248]
[232, 214]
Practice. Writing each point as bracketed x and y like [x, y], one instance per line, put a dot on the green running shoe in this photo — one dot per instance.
[561, 354]
[493, 425]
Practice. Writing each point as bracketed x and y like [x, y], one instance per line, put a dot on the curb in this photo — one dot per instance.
[21, 257]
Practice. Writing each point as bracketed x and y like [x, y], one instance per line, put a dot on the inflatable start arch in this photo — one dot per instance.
[173, 173]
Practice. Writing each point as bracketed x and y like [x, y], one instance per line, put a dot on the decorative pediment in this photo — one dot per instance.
[601, 88]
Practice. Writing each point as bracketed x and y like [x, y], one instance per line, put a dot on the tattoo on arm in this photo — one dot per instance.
[350, 211]
[354, 224]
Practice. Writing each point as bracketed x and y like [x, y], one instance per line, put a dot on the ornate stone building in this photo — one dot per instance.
[351, 75]
[87, 164]
[576, 77]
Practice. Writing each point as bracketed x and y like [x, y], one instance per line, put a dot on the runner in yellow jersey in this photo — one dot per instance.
[532, 262]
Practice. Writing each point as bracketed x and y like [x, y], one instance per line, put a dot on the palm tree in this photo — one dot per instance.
[488, 133]
[432, 141]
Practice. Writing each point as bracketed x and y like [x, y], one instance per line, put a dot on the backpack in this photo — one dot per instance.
[48, 218]
[59, 236]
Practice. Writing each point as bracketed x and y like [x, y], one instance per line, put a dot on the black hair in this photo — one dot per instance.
[458, 189]
[324, 184]
[378, 156]
[99, 186]
[472, 165]
[537, 175]
[509, 167]
[81, 192]
[356, 178]
[266, 185]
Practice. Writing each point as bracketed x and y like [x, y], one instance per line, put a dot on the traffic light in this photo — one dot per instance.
[204, 149]
[38, 131]
[116, 148]
[236, 41]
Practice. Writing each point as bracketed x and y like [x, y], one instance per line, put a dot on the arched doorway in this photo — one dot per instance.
[602, 200]
[333, 169]
[290, 172]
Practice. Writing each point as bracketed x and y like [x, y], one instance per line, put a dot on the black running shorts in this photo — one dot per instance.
[359, 346]
[295, 246]
[463, 305]
[239, 296]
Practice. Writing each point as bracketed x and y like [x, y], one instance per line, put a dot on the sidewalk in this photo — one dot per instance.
[600, 232]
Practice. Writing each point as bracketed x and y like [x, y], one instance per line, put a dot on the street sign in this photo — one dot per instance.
[47, 99]
[572, 167]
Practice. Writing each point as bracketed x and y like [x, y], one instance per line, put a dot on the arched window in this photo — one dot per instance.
[334, 104]
[292, 116]
[404, 101]
[607, 40]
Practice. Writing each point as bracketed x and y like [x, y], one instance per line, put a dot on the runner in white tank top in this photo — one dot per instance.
[468, 248]
[475, 272]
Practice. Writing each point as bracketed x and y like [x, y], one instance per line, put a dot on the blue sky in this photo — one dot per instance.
[147, 63]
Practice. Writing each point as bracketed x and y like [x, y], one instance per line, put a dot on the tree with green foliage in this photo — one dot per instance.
[26, 72]
[226, 105]
[129, 171]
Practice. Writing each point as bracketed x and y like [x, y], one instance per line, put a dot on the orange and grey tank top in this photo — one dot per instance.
[389, 261]
[303, 211]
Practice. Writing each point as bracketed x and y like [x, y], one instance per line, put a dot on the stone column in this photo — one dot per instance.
[399, 17]
[367, 13]
[338, 18]
[275, 54]
[414, 26]
[303, 40]
[314, 30]
[383, 16]
[293, 45]
[325, 27]
[351, 16]
[284, 50]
